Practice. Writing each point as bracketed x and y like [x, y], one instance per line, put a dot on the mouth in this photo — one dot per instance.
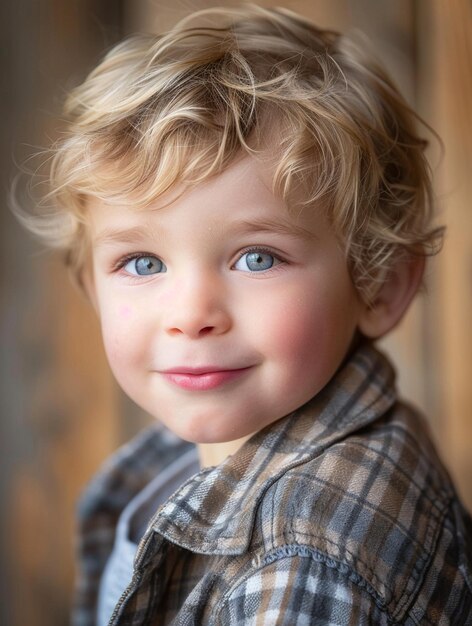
[202, 378]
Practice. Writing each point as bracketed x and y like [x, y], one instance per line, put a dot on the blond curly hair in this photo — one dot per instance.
[180, 107]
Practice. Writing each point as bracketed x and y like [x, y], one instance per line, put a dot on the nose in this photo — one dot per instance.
[198, 309]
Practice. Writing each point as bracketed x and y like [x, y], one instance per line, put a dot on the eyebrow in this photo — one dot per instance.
[123, 235]
[136, 234]
[278, 226]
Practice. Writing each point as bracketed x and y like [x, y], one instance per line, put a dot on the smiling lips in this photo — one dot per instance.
[202, 379]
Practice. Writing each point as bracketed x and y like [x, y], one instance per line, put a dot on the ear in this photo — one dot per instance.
[393, 297]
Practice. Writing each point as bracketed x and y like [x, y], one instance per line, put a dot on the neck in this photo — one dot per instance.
[212, 454]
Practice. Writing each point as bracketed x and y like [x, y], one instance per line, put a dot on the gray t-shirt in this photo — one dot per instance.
[131, 527]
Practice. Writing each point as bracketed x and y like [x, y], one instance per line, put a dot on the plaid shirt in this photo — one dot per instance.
[338, 514]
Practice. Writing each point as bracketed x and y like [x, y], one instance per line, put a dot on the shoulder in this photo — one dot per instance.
[296, 588]
[377, 507]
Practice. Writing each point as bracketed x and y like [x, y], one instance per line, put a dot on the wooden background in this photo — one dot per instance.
[62, 413]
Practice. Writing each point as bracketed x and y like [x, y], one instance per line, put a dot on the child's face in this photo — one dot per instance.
[227, 313]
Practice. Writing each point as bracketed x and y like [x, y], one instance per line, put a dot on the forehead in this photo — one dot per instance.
[241, 195]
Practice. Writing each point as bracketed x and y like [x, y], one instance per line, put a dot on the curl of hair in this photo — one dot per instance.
[180, 107]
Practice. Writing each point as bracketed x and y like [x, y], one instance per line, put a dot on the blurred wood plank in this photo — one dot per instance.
[63, 416]
[446, 79]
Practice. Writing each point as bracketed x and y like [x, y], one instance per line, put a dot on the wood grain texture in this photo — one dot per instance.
[445, 41]
[59, 409]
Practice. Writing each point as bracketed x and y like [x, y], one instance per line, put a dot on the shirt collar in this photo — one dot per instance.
[213, 513]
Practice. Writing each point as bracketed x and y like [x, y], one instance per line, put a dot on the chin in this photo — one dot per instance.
[201, 430]
[195, 429]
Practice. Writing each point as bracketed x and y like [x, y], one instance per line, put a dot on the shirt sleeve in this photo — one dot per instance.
[300, 591]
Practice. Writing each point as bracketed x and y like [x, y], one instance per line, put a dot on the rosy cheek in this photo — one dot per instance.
[297, 337]
[296, 329]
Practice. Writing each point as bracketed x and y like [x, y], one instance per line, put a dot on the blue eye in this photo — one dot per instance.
[255, 261]
[145, 266]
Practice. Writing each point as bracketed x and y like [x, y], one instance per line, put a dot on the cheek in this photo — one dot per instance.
[125, 312]
[296, 330]
[307, 334]
[120, 337]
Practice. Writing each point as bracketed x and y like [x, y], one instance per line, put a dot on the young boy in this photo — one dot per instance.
[247, 205]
